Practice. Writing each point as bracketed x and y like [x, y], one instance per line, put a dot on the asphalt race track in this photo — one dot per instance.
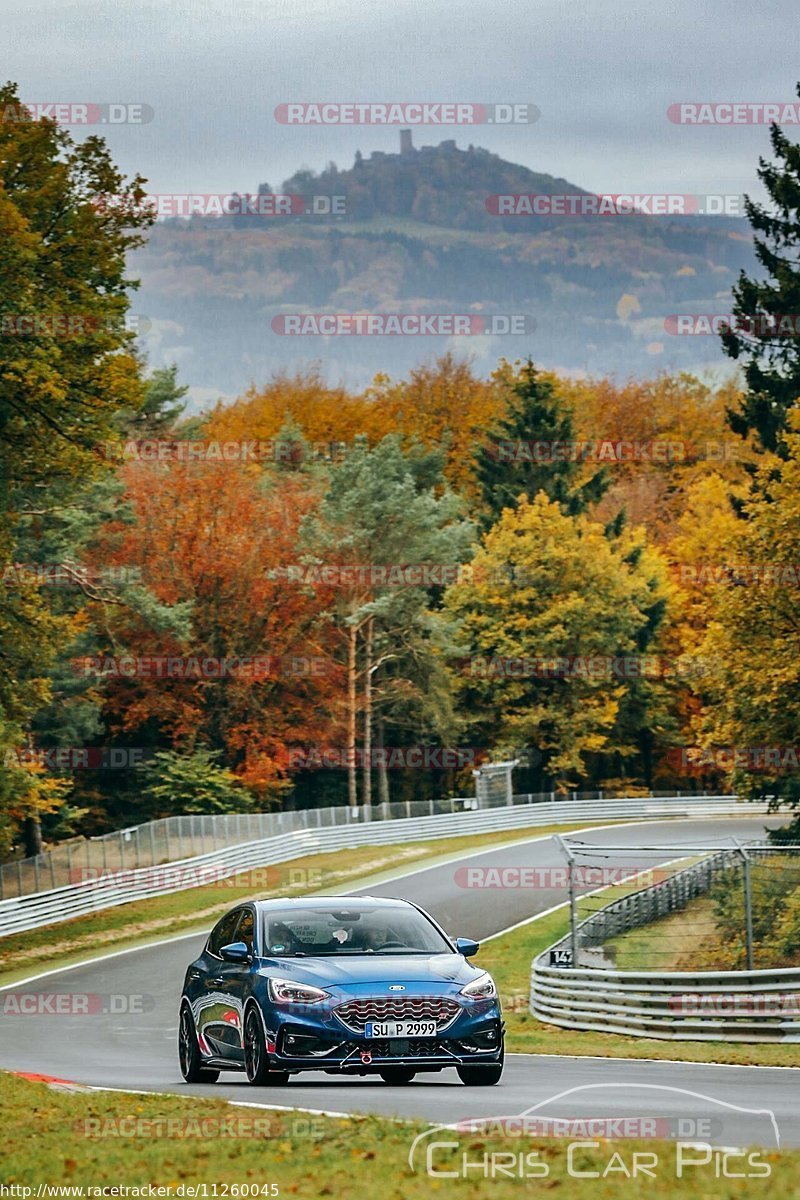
[138, 1050]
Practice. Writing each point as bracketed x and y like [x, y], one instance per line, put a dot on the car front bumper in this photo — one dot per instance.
[306, 1046]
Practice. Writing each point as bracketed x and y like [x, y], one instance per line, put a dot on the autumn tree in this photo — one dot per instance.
[657, 438]
[384, 511]
[766, 337]
[446, 406]
[577, 595]
[329, 418]
[752, 643]
[211, 542]
[66, 366]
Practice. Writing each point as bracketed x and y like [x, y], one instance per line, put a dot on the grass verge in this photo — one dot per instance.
[177, 1143]
[669, 943]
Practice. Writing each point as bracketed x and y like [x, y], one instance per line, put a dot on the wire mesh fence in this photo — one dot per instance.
[733, 909]
[175, 838]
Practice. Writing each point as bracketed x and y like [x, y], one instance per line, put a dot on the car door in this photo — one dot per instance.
[234, 978]
[218, 1022]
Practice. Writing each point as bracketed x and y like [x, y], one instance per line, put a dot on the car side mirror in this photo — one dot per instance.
[467, 947]
[236, 952]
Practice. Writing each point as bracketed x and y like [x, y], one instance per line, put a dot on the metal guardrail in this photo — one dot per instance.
[118, 886]
[172, 839]
[734, 1006]
[730, 1006]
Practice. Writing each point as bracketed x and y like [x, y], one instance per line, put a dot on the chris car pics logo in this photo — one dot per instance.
[590, 1125]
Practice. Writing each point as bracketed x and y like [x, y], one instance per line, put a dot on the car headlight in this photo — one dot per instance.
[481, 988]
[285, 991]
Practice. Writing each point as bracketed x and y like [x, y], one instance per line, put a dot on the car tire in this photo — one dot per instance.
[192, 1068]
[397, 1075]
[256, 1057]
[480, 1074]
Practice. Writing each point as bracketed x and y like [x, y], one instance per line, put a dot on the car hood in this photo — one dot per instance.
[345, 971]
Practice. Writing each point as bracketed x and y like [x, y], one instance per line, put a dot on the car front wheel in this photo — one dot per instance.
[397, 1075]
[256, 1058]
[480, 1074]
[192, 1067]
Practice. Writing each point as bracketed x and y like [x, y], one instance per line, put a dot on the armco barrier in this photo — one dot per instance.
[731, 1006]
[172, 839]
[61, 904]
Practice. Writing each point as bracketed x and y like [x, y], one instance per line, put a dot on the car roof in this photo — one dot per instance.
[326, 902]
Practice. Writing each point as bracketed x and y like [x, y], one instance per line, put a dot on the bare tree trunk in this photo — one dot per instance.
[32, 836]
[383, 774]
[367, 790]
[352, 787]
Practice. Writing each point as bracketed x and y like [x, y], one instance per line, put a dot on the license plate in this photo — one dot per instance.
[400, 1029]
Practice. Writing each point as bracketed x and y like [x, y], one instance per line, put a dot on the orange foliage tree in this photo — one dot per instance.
[213, 540]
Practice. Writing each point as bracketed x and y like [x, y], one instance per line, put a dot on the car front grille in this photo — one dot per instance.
[413, 1048]
[355, 1013]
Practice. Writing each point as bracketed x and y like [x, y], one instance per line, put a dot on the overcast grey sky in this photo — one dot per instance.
[603, 74]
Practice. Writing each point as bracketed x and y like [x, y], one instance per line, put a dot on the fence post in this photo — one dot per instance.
[573, 924]
[748, 905]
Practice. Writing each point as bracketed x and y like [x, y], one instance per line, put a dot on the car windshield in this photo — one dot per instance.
[352, 929]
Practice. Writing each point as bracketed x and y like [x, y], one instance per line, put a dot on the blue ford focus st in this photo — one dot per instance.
[356, 986]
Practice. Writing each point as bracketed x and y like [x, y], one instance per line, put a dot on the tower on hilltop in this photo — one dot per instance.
[406, 146]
